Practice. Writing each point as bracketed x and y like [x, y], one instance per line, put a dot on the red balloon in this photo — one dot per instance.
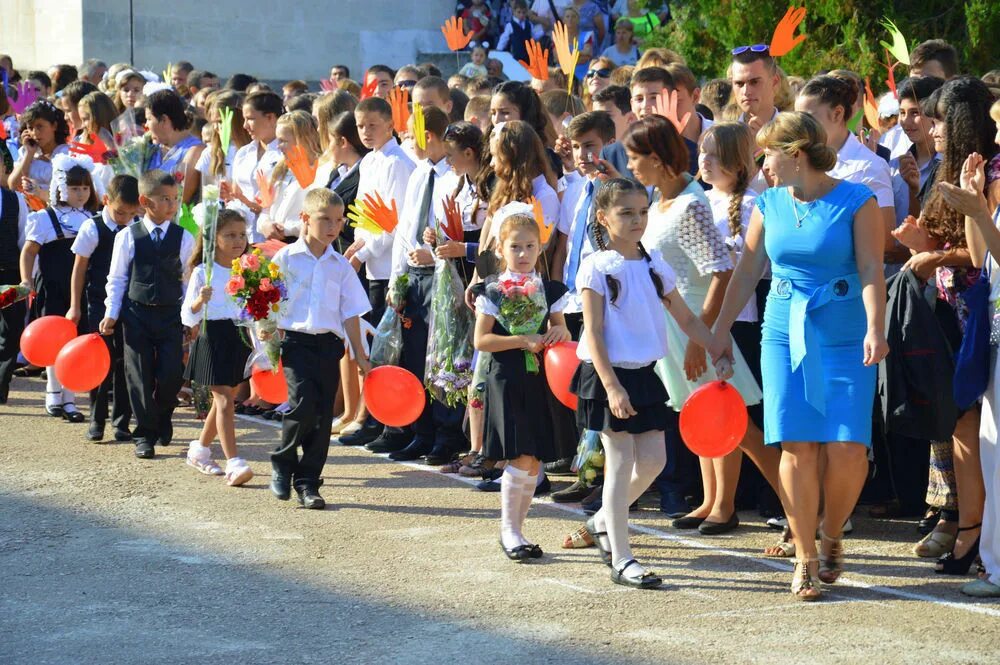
[713, 420]
[44, 338]
[394, 396]
[84, 363]
[269, 385]
[560, 365]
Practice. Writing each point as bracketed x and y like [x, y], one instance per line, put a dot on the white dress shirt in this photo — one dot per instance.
[407, 240]
[121, 263]
[858, 164]
[39, 225]
[219, 307]
[570, 210]
[22, 218]
[204, 165]
[88, 238]
[386, 171]
[322, 292]
[287, 206]
[245, 165]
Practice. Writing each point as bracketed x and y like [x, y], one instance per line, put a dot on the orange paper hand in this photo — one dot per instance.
[399, 98]
[454, 33]
[544, 231]
[567, 57]
[891, 81]
[453, 220]
[382, 214]
[266, 196]
[371, 85]
[269, 247]
[34, 202]
[666, 105]
[871, 110]
[784, 39]
[95, 149]
[538, 61]
[300, 166]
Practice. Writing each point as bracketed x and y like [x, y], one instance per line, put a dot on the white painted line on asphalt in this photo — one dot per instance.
[552, 580]
[664, 535]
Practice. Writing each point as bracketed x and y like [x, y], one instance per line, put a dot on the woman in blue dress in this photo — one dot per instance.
[823, 334]
[179, 150]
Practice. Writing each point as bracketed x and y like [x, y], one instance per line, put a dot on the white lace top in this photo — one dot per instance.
[686, 236]
[635, 326]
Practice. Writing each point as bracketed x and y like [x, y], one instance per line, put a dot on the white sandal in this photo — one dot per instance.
[239, 473]
[204, 462]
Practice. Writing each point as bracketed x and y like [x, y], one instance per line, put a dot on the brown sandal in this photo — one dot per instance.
[579, 539]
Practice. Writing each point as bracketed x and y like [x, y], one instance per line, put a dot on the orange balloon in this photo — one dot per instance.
[84, 363]
[713, 420]
[44, 338]
[560, 365]
[269, 385]
[394, 396]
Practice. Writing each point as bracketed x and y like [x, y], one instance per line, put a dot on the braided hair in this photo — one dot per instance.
[734, 147]
[607, 196]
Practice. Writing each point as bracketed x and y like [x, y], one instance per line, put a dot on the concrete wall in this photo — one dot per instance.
[280, 39]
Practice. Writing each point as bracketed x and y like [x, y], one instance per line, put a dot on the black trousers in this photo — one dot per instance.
[312, 370]
[377, 290]
[11, 327]
[114, 387]
[154, 367]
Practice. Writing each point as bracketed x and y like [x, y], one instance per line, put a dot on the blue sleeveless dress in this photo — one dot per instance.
[816, 387]
[173, 159]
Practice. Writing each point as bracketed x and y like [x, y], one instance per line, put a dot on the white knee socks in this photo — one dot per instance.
[54, 393]
[516, 490]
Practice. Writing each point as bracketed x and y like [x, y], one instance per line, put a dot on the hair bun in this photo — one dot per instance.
[821, 156]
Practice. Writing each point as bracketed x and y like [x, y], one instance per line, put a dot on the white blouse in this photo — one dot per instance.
[220, 306]
[287, 206]
[720, 210]
[635, 332]
[39, 226]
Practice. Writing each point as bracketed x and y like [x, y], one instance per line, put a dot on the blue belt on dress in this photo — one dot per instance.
[803, 342]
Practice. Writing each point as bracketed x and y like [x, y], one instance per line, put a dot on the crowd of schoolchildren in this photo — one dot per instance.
[659, 187]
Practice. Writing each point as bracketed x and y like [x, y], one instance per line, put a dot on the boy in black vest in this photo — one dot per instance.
[13, 219]
[148, 263]
[93, 247]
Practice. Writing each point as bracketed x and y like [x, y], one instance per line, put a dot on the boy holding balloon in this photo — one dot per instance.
[325, 303]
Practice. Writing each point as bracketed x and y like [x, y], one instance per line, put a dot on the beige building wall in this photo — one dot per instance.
[271, 40]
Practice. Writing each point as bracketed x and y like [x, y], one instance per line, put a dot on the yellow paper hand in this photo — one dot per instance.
[419, 127]
[168, 74]
[357, 212]
[544, 230]
[567, 57]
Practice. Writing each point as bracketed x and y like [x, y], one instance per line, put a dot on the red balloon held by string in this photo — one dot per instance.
[560, 365]
[270, 385]
[44, 338]
[394, 396]
[83, 363]
[713, 420]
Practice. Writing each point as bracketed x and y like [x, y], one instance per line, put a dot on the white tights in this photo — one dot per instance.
[631, 463]
[54, 393]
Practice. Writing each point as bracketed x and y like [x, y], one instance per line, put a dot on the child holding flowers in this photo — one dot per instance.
[517, 316]
[218, 356]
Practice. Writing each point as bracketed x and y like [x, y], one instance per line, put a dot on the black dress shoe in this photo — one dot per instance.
[687, 522]
[166, 434]
[309, 497]
[123, 435]
[519, 553]
[560, 467]
[56, 410]
[281, 483]
[367, 434]
[417, 449]
[575, 492]
[144, 449]
[488, 486]
[389, 442]
[707, 528]
[438, 456]
[95, 433]
[72, 416]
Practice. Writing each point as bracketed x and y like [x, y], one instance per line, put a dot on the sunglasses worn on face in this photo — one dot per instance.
[756, 48]
[406, 84]
[603, 73]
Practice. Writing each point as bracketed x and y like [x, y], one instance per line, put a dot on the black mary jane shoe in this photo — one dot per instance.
[595, 535]
[519, 553]
[535, 551]
[56, 410]
[72, 416]
[647, 581]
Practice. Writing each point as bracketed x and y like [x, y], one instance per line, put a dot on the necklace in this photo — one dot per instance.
[795, 207]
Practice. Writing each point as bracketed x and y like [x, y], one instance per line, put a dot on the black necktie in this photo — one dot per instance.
[425, 206]
[157, 237]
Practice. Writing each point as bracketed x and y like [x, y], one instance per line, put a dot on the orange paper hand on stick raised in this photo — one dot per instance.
[399, 98]
[666, 105]
[452, 226]
[784, 39]
[871, 108]
[300, 166]
[891, 81]
[538, 61]
[385, 216]
[568, 57]
[370, 87]
[544, 230]
[266, 196]
[454, 33]
[95, 149]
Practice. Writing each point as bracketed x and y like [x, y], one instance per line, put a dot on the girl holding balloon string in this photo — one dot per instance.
[619, 393]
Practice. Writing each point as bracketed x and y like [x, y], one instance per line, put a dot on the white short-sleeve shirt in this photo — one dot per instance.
[856, 163]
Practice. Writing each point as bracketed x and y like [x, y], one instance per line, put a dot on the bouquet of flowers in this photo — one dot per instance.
[133, 147]
[387, 343]
[12, 294]
[589, 460]
[521, 305]
[209, 220]
[449, 349]
[259, 288]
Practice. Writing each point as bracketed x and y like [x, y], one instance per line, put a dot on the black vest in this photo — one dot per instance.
[99, 265]
[10, 255]
[518, 39]
[156, 272]
[56, 258]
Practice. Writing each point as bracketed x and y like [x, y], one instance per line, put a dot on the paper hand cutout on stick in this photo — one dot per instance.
[568, 57]
[95, 149]
[327, 85]
[452, 226]
[300, 166]
[544, 230]
[266, 196]
[373, 215]
[454, 33]
[784, 40]
[419, 127]
[538, 61]
[898, 47]
[26, 95]
[34, 202]
[269, 247]
[871, 108]
[371, 85]
[666, 106]
[891, 81]
[399, 99]
[225, 127]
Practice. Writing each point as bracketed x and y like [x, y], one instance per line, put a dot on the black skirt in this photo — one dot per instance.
[516, 411]
[218, 356]
[645, 391]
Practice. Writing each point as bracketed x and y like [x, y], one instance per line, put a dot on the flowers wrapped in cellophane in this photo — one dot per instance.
[521, 307]
[133, 147]
[448, 370]
[387, 342]
[12, 293]
[258, 286]
[589, 460]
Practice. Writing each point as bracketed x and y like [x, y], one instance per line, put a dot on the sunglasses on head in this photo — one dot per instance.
[603, 73]
[755, 48]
